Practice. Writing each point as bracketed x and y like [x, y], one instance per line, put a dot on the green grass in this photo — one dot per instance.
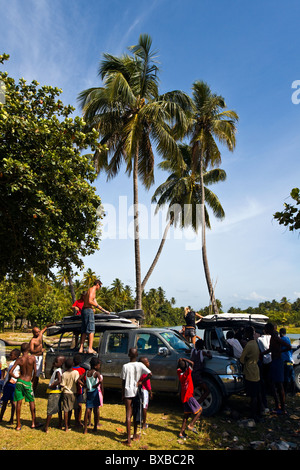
[164, 419]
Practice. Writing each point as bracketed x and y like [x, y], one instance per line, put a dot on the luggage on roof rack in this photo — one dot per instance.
[124, 319]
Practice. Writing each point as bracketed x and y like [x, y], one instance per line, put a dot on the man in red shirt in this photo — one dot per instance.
[190, 405]
[78, 304]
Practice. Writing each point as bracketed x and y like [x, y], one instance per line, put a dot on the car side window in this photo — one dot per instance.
[117, 343]
[70, 340]
[148, 343]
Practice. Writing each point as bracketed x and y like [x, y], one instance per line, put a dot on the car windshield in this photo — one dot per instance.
[175, 341]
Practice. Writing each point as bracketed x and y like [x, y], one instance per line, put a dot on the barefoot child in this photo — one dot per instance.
[94, 397]
[190, 405]
[146, 391]
[9, 386]
[79, 394]
[130, 375]
[69, 390]
[54, 392]
[24, 383]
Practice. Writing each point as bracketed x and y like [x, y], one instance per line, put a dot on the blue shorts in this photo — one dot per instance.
[8, 392]
[87, 321]
[93, 399]
[277, 370]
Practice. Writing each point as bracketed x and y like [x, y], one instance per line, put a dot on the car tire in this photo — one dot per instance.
[297, 377]
[212, 404]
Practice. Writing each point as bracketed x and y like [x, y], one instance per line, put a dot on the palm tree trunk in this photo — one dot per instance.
[138, 299]
[150, 271]
[72, 290]
[204, 251]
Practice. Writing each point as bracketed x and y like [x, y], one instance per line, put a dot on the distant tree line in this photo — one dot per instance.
[37, 300]
[281, 312]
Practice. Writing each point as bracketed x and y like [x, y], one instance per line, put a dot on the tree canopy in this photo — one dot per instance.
[290, 216]
[48, 207]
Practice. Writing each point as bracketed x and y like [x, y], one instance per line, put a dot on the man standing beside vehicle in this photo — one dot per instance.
[36, 348]
[87, 316]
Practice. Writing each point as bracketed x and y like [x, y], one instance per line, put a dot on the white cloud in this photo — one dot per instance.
[249, 209]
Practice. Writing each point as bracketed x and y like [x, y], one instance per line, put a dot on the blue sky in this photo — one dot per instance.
[246, 51]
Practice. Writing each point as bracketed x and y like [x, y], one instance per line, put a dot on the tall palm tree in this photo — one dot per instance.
[89, 277]
[211, 123]
[131, 117]
[65, 277]
[182, 192]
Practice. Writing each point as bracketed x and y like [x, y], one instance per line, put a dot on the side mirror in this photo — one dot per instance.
[163, 351]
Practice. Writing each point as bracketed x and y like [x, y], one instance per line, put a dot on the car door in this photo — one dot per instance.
[162, 359]
[113, 354]
[68, 346]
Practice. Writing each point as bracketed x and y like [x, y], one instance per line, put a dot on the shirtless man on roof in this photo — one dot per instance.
[87, 316]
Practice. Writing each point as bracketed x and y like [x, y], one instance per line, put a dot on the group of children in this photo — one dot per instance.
[71, 386]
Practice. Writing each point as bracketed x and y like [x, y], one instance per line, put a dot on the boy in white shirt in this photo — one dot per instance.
[10, 385]
[131, 374]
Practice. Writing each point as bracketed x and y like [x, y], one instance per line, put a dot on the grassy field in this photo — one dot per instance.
[228, 430]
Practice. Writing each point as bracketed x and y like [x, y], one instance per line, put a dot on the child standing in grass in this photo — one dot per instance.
[191, 407]
[146, 391]
[130, 375]
[94, 395]
[79, 394]
[9, 386]
[54, 392]
[69, 390]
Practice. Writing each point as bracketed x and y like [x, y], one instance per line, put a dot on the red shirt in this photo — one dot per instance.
[187, 387]
[147, 384]
[79, 304]
[81, 371]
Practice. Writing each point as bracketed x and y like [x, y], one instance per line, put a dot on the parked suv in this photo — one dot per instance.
[213, 329]
[115, 335]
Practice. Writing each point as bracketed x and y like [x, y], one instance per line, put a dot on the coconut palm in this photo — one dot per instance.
[131, 117]
[89, 277]
[182, 193]
[211, 123]
[65, 277]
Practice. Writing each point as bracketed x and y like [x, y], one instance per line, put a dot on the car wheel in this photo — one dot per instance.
[297, 377]
[213, 401]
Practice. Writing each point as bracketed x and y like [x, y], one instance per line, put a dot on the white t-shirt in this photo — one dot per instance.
[237, 347]
[131, 373]
[16, 373]
[264, 343]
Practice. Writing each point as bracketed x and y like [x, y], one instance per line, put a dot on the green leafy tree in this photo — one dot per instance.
[132, 117]
[48, 207]
[48, 309]
[89, 277]
[290, 216]
[9, 303]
